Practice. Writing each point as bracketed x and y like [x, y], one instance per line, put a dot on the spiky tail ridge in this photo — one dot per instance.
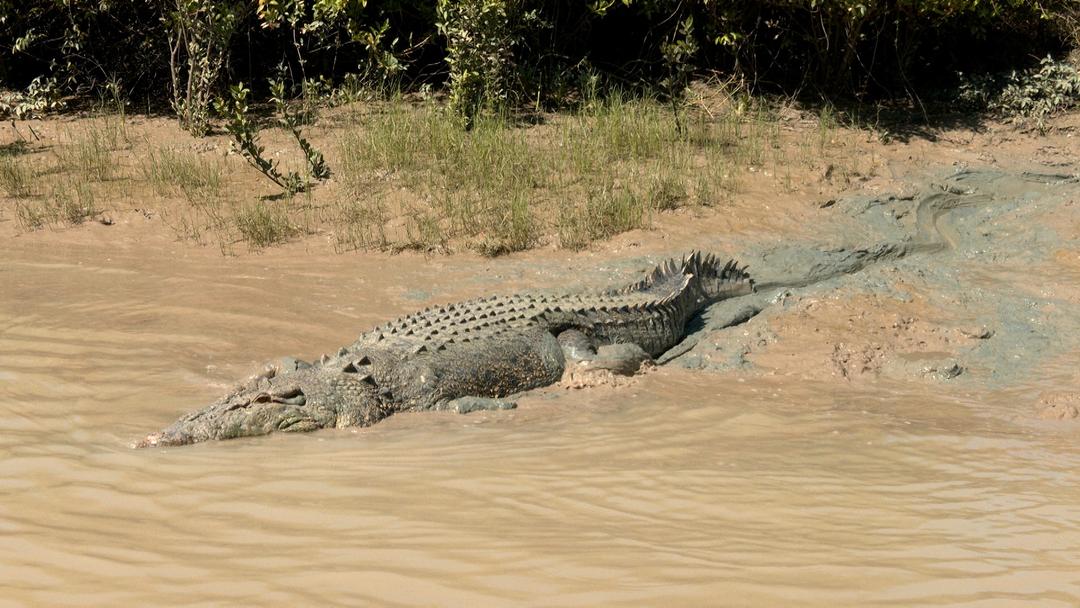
[710, 266]
[674, 276]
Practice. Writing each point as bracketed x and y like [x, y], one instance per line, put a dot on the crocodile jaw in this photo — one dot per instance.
[298, 401]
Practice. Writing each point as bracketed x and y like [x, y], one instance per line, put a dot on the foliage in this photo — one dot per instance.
[199, 33]
[291, 120]
[80, 43]
[1039, 92]
[678, 54]
[245, 134]
[327, 18]
[492, 53]
[479, 53]
[1033, 94]
[40, 96]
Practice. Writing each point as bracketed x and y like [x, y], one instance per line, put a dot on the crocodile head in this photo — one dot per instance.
[303, 398]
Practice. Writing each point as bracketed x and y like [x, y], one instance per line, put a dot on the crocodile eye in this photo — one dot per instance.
[293, 397]
[290, 394]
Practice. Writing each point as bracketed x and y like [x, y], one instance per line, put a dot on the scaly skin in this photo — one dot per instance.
[483, 348]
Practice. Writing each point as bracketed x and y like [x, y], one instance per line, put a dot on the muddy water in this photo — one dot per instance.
[685, 488]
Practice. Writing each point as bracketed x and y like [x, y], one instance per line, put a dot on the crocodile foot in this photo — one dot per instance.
[613, 365]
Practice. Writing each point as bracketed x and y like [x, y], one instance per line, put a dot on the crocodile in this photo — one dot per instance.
[467, 355]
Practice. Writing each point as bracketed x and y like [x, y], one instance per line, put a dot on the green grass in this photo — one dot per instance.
[263, 223]
[405, 175]
[16, 177]
[606, 212]
[360, 223]
[69, 201]
[88, 152]
[31, 215]
[171, 172]
[74, 202]
[503, 187]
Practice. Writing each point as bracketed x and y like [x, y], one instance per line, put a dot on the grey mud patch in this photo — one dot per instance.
[972, 244]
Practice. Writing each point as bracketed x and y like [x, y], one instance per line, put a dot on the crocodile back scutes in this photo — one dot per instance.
[651, 312]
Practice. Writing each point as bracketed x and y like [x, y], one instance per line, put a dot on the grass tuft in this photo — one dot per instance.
[171, 172]
[361, 224]
[70, 201]
[262, 224]
[89, 153]
[606, 212]
[16, 177]
[74, 202]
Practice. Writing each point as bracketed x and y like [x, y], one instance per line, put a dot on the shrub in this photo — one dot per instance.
[199, 32]
[479, 53]
[245, 135]
[40, 96]
[493, 50]
[1039, 92]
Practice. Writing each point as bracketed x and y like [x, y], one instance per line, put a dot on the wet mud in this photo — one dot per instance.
[971, 265]
[891, 420]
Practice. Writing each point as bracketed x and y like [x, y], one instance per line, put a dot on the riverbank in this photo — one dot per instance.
[903, 434]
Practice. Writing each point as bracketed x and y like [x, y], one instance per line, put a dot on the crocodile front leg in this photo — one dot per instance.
[624, 359]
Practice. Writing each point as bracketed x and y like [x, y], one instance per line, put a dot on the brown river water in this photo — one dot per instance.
[683, 488]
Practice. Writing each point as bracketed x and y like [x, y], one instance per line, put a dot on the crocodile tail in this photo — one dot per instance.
[718, 279]
[667, 279]
[712, 267]
[674, 275]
